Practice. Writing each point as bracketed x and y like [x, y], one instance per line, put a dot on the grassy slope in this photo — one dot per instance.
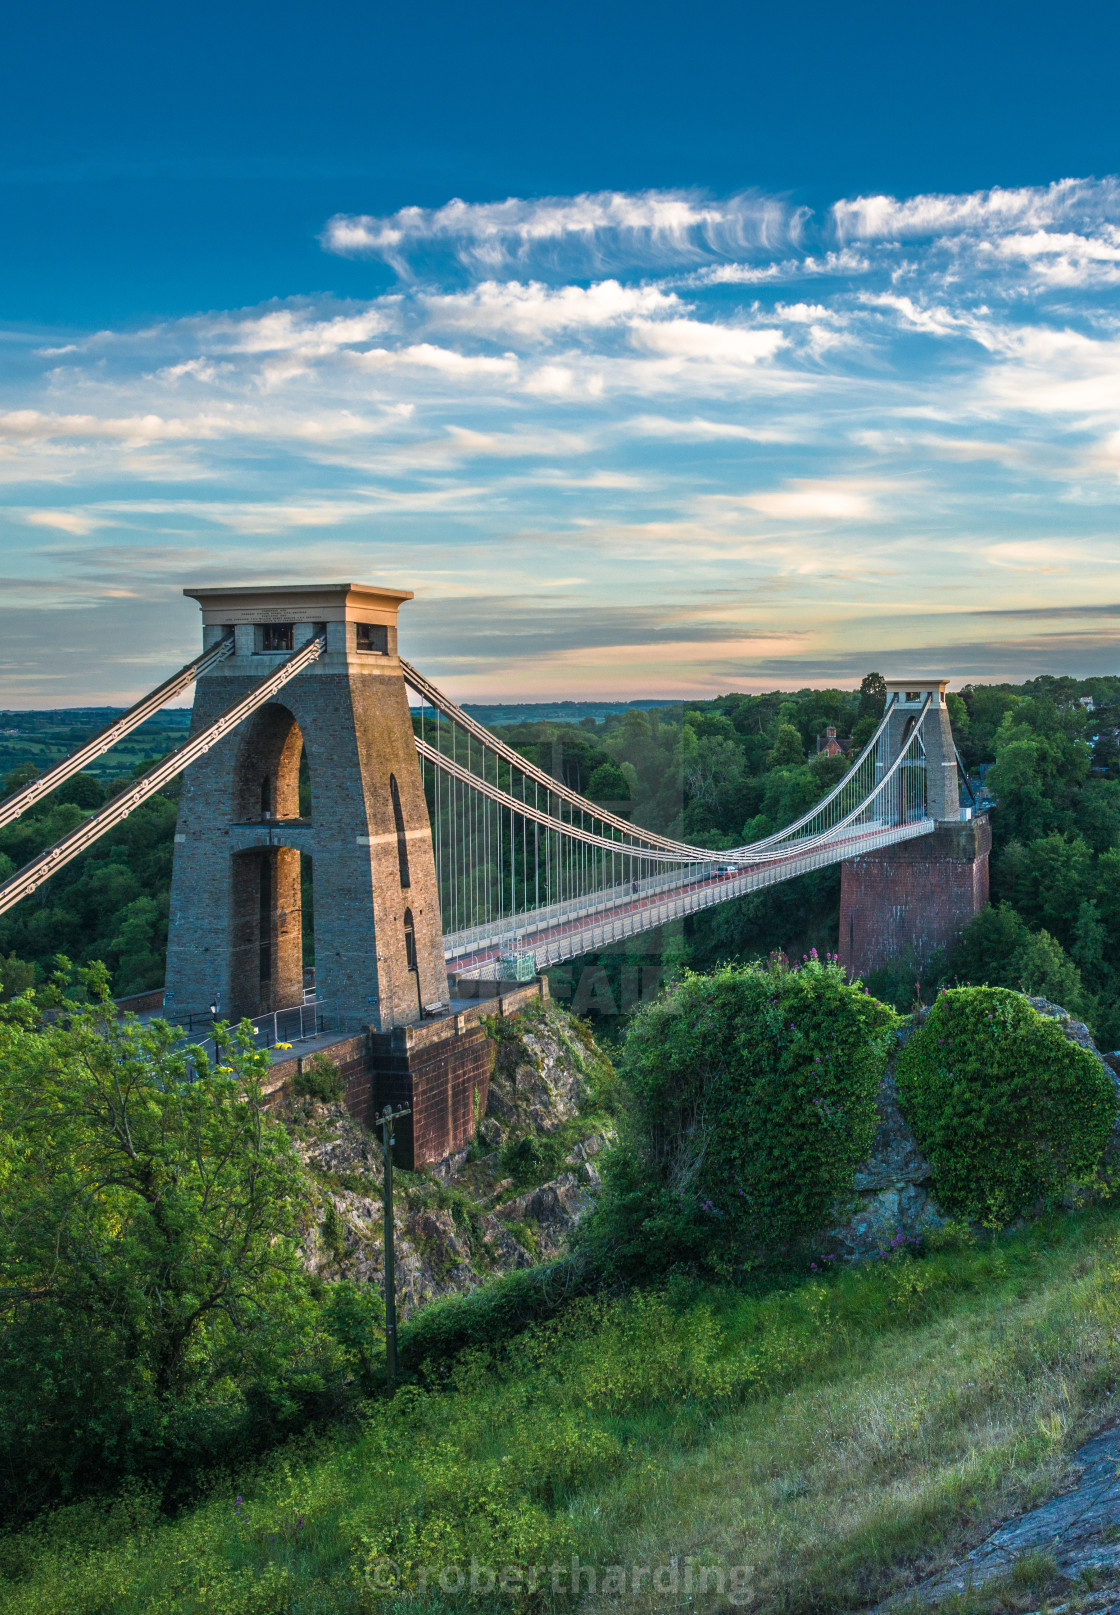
[826, 1438]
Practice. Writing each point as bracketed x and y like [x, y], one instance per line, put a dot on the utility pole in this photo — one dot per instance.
[386, 1119]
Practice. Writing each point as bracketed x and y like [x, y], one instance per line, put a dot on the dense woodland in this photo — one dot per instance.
[717, 773]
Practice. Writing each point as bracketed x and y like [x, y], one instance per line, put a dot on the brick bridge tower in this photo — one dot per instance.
[236, 920]
[917, 896]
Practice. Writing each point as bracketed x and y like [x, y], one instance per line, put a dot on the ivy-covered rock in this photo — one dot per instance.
[754, 1103]
[1007, 1107]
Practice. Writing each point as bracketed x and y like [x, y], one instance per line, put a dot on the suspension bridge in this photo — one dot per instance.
[465, 849]
[531, 871]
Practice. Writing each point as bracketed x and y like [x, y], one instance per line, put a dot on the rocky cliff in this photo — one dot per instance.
[509, 1200]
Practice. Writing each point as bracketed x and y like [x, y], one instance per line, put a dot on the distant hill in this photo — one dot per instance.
[45, 737]
[554, 711]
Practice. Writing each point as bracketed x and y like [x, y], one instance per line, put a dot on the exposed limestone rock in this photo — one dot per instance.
[554, 1209]
[892, 1187]
[1078, 1528]
[539, 1081]
[334, 1142]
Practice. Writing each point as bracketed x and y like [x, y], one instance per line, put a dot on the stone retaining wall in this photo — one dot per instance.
[439, 1069]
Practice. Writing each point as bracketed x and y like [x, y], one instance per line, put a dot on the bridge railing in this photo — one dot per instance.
[298, 1023]
[530, 921]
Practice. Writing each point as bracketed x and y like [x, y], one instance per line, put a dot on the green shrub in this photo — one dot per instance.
[494, 1312]
[754, 1101]
[533, 1158]
[1007, 1111]
[319, 1080]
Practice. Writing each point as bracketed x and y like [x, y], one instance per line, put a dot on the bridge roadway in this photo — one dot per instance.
[586, 924]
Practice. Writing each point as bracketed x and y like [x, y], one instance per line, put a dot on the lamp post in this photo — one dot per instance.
[385, 1120]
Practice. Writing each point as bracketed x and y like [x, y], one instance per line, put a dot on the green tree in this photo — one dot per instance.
[85, 909]
[608, 783]
[1098, 813]
[1045, 970]
[1108, 892]
[151, 1292]
[788, 750]
[1089, 937]
[83, 790]
[1051, 880]
[958, 715]
[862, 733]
[872, 696]
[1017, 781]
[989, 946]
[16, 976]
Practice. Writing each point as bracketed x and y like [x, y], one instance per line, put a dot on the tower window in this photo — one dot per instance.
[409, 940]
[277, 636]
[373, 636]
[402, 838]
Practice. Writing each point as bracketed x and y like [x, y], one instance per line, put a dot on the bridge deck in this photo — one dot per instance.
[585, 925]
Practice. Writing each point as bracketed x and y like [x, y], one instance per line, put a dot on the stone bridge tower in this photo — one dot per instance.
[236, 917]
[913, 899]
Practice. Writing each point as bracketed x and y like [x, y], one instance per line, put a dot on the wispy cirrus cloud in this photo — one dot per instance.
[978, 213]
[659, 227]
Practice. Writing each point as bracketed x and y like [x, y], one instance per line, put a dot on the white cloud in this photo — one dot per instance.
[813, 501]
[879, 218]
[429, 356]
[534, 311]
[67, 521]
[700, 430]
[654, 226]
[29, 425]
[700, 339]
[1051, 243]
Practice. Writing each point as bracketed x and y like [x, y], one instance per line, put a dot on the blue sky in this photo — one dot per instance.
[661, 351]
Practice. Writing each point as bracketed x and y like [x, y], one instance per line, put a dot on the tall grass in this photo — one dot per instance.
[805, 1446]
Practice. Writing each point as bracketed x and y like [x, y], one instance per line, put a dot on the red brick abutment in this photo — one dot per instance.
[916, 896]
